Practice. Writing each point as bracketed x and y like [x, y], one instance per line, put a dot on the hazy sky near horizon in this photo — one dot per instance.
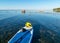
[29, 4]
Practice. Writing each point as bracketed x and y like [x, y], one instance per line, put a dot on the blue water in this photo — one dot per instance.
[7, 13]
[46, 26]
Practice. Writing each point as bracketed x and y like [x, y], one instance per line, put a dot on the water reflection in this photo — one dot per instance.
[43, 31]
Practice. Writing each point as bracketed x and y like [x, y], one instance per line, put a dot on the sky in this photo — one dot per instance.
[29, 4]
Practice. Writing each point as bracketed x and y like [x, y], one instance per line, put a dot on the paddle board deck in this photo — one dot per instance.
[22, 37]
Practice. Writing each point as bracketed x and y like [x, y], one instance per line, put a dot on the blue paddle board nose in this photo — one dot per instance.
[22, 37]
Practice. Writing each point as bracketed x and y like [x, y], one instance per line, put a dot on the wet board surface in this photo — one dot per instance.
[22, 37]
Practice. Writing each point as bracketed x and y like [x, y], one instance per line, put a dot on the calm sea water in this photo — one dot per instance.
[46, 26]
